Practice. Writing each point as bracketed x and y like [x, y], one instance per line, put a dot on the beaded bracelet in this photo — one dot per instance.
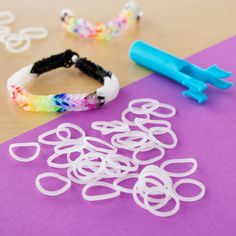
[63, 102]
[83, 28]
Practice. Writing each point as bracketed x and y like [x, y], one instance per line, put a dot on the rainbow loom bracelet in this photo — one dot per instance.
[83, 28]
[63, 102]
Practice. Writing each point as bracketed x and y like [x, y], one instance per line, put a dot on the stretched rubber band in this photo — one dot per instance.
[177, 161]
[100, 197]
[50, 192]
[190, 181]
[24, 159]
[155, 130]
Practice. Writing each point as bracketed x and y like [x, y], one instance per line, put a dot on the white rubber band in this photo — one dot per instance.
[177, 161]
[164, 115]
[64, 126]
[107, 127]
[110, 148]
[17, 43]
[117, 141]
[35, 32]
[6, 17]
[140, 123]
[50, 192]
[155, 130]
[119, 180]
[42, 137]
[87, 197]
[194, 182]
[147, 147]
[114, 159]
[24, 159]
[156, 211]
[52, 158]
[139, 110]
[131, 123]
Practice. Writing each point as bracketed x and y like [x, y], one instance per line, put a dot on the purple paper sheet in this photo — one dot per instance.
[206, 132]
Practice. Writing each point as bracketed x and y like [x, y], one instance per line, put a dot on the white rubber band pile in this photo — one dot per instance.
[96, 163]
[17, 42]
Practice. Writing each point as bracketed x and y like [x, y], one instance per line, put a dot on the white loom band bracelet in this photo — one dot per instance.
[157, 172]
[114, 159]
[123, 189]
[131, 123]
[156, 212]
[140, 123]
[179, 161]
[156, 131]
[62, 102]
[99, 197]
[6, 17]
[139, 110]
[24, 159]
[42, 138]
[107, 127]
[164, 115]
[117, 141]
[190, 181]
[35, 32]
[147, 146]
[69, 126]
[17, 43]
[52, 192]
[109, 148]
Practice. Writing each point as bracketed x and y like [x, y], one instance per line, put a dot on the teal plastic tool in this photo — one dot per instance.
[182, 71]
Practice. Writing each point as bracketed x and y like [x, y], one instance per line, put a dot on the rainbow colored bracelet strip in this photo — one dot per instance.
[83, 28]
[63, 102]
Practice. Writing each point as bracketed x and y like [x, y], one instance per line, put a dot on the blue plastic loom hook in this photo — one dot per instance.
[182, 71]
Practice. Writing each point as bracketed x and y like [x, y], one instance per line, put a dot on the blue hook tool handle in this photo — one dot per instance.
[182, 71]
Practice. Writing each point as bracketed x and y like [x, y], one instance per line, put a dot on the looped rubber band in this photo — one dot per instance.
[177, 161]
[190, 181]
[24, 159]
[87, 197]
[50, 192]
